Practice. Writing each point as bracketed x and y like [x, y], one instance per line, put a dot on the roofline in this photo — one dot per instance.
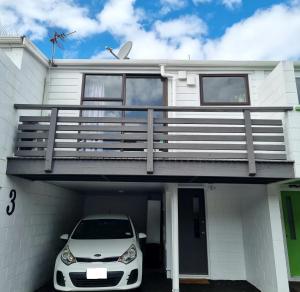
[23, 42]
[71, 63]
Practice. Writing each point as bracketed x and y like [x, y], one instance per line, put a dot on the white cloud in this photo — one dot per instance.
[169, 5]
[185, 26]
[32, 17]
[176, 38]
[231, 3]
[268, 34]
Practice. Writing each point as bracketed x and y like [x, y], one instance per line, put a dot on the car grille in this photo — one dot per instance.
[104, 260]
[80, 280]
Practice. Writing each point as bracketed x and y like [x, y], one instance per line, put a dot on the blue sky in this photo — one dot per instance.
[175, 29]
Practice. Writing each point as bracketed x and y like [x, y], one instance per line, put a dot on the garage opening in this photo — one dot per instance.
[143, 203]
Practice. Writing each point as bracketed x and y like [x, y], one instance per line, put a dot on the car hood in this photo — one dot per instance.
[104, 247]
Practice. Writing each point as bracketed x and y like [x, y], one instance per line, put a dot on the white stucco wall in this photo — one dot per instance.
[30, 237]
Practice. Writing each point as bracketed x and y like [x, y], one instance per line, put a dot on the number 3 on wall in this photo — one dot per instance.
[11, 208]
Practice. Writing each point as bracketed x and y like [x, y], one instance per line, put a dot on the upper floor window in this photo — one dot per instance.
[224, 89]
[298, 87]
[124, 89]
[103, 87]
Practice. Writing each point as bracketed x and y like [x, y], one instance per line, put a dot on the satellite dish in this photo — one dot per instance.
[123, 52]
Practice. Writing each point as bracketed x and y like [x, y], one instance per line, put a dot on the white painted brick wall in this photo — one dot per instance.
[259, 256]
[277, 222]
[225, 232]
[29, 238]
[263, 241]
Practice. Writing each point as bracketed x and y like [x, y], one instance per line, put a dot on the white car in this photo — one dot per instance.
[102, 253]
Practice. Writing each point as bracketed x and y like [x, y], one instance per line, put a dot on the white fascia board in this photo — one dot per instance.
[168, 63]
[152, 66]
[23, 42]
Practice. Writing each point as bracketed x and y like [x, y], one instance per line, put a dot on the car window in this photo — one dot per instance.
[103, 229]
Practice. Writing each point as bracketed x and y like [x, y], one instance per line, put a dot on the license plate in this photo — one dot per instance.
[96, 273]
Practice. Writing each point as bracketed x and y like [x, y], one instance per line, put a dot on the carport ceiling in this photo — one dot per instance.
[109, 187]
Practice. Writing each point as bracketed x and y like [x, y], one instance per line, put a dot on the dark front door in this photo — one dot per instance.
[291, 212]
[192, 232]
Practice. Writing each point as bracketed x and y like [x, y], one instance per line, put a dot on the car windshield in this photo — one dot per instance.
[103, 229]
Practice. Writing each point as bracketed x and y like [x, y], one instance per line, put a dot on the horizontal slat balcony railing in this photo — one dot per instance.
[151, 133]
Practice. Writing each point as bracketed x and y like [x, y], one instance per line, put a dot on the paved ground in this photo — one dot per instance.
[154, 282]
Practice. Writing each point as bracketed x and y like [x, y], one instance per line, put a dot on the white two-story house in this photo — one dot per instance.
[203, 155]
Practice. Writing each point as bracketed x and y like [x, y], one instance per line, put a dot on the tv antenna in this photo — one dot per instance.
[123, 52]
[56, 41]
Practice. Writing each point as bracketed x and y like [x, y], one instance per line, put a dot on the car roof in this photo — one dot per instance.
[106, 216]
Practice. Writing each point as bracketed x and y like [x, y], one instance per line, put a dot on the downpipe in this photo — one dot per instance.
[173, 78]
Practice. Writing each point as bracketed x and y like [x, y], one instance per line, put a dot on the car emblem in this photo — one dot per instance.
[97, 255]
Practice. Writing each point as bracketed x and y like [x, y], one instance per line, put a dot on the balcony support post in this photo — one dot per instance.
[150, 142]
[51, 140]
[249, 143]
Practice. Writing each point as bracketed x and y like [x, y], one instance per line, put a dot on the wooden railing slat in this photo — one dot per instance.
[249, 142]
[150, 142]
[51, 140]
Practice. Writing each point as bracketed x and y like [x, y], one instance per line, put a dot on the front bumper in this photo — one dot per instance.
[120, 276]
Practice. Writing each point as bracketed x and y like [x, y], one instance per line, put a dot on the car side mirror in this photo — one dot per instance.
[142, 236]
[64, 237]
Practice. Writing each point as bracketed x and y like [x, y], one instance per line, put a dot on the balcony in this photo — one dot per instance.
[183, 144]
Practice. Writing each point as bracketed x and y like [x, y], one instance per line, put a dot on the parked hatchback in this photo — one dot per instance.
[102, 253]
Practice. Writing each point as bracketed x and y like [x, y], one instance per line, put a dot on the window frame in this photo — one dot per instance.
[89, 98]
[124, 76]
[246, 80]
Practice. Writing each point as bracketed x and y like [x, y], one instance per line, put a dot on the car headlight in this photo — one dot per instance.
[67, 257]
[129, 255]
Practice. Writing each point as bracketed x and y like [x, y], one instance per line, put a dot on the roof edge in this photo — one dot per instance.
[158, 62]
[23, 42]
